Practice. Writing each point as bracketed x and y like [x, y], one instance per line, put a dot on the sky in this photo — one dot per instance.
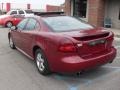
[36, 4]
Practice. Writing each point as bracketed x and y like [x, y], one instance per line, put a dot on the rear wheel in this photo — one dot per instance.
[9, 24]
[11, 43]
[41, 63]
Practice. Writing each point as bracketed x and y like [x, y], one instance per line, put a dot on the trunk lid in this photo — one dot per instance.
[93, 41]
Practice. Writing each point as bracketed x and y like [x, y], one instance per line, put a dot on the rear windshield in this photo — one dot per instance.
[66, 23]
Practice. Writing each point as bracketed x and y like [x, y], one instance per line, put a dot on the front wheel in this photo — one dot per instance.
[41, 63]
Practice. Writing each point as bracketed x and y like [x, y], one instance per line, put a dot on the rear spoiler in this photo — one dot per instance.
[48, 13]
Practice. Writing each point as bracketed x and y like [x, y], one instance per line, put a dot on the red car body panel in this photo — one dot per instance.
[85, 57]
[15, 19]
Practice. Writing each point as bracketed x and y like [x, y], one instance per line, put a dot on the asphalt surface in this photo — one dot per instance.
[17, 72]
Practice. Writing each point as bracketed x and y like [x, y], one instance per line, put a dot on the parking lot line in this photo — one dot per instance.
[73, 88]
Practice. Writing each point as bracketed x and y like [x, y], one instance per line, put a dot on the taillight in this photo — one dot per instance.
[67, 48]
[66, 45]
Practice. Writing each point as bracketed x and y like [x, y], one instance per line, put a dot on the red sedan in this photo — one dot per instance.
[62, 44]
[10, 20]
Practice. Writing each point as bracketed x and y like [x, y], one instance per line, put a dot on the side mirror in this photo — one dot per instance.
[13, 28]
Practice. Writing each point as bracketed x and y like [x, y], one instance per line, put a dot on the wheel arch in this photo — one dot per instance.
[7, 22]
[34, 49]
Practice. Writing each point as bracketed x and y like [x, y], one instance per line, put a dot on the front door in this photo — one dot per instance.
[16, 34]
[28, 36]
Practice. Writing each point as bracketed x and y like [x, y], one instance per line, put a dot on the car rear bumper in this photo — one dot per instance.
[75, 64]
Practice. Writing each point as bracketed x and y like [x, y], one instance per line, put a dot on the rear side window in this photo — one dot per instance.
[22, 24]
[31, 25]
[13, 12]
[21, 12]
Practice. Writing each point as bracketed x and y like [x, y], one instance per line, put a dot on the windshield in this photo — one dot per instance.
[66, 23]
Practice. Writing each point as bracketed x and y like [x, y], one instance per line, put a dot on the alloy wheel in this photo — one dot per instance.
[9, 24]
[11, 43]
[40, 62]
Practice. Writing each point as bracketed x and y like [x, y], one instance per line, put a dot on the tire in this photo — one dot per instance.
[11, 43]
[9, 24]
[41, 63]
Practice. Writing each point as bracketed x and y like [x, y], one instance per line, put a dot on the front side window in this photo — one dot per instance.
[31, 24]
[80, 8]
[13, 12]
[66, 23]
[22, 24]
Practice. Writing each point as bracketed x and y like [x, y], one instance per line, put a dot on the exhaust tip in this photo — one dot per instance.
[79, 73]
[111, 62]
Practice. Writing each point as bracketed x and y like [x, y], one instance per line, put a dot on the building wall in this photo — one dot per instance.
[68, 7]
[50, 8]
[95, 11]
[112, 11]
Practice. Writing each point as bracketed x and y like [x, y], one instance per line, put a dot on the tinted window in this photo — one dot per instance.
[66, 23]
[31, 24]
[22, 24]
[21, 12]
[13, 12]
